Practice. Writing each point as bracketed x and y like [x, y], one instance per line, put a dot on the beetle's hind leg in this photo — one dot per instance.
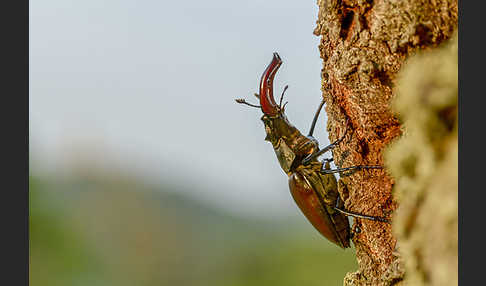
[352, 168]
[358, 215]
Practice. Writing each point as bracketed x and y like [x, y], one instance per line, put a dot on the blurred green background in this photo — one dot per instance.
[99, 228]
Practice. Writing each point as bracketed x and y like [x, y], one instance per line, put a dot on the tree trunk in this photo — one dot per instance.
[363, 46]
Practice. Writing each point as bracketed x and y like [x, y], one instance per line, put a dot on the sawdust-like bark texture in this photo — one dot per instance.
[424, 163]
[363, 46]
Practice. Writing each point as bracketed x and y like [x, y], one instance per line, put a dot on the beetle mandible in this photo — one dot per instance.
[312, 183]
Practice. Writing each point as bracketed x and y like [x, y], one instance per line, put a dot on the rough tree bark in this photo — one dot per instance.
[363, 46]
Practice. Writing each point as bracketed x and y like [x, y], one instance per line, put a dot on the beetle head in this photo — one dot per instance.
[285, 138]
[287, 141]
[281, 134]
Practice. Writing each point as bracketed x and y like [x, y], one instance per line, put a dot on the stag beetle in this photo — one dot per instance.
[312, 183]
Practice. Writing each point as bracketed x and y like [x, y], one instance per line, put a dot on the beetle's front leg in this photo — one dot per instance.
[329, 147]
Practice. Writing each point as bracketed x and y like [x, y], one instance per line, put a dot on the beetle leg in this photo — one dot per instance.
[331, 146]
[353, 214]
[340, 170]
[311, 131]
[358, 215]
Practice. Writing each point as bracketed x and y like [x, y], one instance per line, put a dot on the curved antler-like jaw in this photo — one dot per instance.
[267, 102]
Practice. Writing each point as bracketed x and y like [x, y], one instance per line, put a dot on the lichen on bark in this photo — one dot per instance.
[424, 163]
[364, 44]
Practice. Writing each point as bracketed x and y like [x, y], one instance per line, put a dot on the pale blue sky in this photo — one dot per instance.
[149, 86]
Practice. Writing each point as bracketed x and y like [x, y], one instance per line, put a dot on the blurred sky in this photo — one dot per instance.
[149, 86]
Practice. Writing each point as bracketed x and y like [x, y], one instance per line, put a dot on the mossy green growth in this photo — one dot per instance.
[424, 164]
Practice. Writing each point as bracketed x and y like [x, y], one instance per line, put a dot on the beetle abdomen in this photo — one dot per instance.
[331, 224]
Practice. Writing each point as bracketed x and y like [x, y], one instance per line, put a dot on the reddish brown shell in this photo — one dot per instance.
[333, 226]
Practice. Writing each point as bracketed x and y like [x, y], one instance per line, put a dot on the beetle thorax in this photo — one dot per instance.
[289, 144]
